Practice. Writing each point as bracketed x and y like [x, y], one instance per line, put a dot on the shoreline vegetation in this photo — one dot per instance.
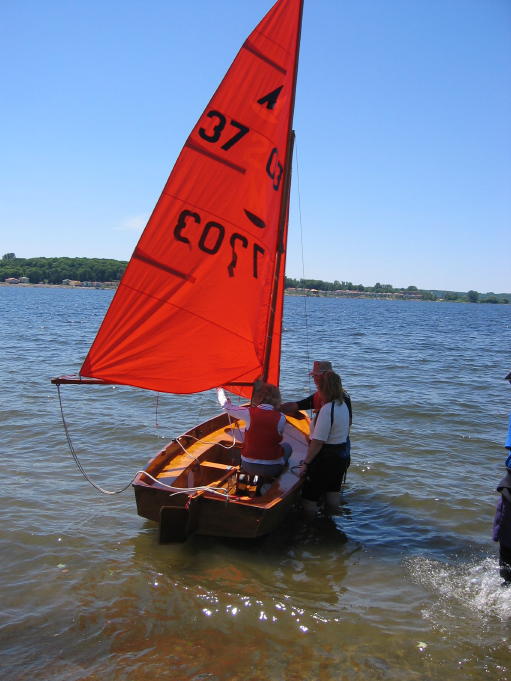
[101, 273]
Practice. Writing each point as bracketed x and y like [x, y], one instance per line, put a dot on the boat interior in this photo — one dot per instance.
[218, 468]
[211, 458]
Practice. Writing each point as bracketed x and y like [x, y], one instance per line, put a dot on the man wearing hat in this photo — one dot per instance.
[314, 401]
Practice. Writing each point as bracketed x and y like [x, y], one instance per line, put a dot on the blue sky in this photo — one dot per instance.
[402, 116]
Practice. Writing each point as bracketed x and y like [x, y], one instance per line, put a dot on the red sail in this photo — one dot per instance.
[194, 307]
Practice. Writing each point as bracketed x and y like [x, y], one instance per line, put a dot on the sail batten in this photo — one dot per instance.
[205, 282]
[143, 257]
[252, 48]
[215, 157]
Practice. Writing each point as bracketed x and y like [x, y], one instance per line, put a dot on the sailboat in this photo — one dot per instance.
[200, 304]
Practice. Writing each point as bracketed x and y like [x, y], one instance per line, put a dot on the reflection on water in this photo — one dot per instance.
[402, 584]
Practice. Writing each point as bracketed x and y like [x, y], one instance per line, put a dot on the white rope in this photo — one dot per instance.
[198, 439]
[190, 490]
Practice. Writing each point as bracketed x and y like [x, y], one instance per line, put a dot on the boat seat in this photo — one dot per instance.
[214, 464]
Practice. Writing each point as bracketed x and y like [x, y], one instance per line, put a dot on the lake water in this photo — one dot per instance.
[403, 584]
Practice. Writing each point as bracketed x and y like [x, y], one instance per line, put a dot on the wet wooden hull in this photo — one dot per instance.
[192, 488]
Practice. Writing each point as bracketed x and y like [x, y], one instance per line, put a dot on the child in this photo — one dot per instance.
[263, 452]
[502, 525]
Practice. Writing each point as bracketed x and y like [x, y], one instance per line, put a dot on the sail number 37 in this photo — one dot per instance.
[217, 132]
[220, 121]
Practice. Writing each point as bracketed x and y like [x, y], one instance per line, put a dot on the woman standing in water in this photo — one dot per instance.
[327, 456]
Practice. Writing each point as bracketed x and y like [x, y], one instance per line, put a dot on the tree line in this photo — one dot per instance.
[55, 270]
[453, 296]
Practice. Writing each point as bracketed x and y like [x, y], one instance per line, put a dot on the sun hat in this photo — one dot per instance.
[319, 368]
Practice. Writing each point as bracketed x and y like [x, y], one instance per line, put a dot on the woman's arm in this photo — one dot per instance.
[289, 408]
[292, 407]
[312, 451]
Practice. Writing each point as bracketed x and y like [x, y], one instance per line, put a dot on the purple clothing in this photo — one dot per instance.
[502, 520]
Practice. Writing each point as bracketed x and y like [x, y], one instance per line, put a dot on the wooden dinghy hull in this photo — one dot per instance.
[204, 463]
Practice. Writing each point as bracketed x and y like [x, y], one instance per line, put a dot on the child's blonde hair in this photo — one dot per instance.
[266, 393]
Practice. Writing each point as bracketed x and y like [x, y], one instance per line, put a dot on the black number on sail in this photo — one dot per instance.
[181, 225]
[236, 138]
[212, 239]
[244, 241]
[215, 133]
[274, 168]
[216, 240]
[257, 250]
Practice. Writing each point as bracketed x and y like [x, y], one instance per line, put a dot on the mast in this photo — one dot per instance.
[280, 260]
[283, 216]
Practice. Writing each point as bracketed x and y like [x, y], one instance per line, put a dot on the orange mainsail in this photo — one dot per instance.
[200, 304]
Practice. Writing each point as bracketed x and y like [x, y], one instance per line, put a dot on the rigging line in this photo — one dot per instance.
[76, 459]
[203, 402]
[157, 425]
[306, 315]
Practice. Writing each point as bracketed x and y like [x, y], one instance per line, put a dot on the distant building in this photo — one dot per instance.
[11, 280]
[24, 280]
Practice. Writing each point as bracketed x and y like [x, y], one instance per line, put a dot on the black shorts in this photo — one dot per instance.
[326, 472]
[505, 562]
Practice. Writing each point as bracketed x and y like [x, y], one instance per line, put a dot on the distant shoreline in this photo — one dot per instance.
[64, 286]
[368, 295]
[106, 273]
[304, 293]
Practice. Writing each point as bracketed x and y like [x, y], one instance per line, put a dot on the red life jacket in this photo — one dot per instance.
[317, 402]
[262, 438]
